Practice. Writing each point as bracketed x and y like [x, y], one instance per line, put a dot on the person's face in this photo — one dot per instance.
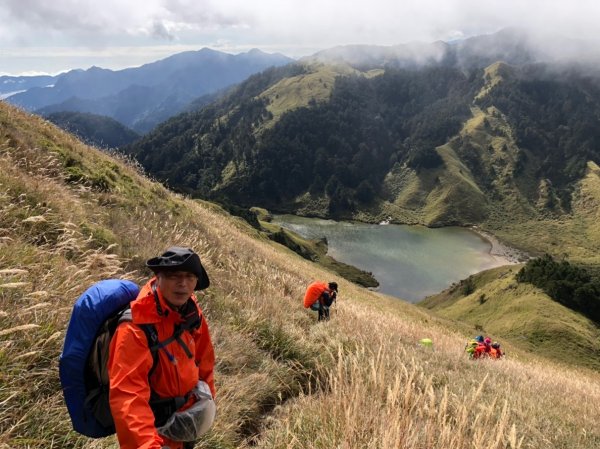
[176, 286]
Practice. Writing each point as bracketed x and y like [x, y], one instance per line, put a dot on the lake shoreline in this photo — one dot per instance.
[409, 261]
[500, 250]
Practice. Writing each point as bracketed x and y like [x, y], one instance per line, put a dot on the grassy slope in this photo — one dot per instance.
[442, 196]
[70, 215]
[576, 234]
[450, 194]
[298, 91]
[523, 315]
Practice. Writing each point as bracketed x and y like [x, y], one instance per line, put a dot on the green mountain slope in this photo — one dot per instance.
[71, 215]
[503, 147]
[277, 159]
[97, 130]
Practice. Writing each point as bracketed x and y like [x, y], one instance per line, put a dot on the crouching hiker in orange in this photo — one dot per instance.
[161, 361]
[496, 352]
[319, 296]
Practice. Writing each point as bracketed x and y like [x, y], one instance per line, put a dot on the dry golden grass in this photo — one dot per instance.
[390, 393]
[358, 381]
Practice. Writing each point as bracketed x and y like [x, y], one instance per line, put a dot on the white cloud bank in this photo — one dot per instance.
[68, 28]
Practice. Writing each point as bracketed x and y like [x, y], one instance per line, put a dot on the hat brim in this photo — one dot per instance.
[156, 264]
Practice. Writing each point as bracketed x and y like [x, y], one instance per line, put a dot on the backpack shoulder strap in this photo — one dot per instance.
[192, 321]
[179, 330]
[151, 337]
[162, 408]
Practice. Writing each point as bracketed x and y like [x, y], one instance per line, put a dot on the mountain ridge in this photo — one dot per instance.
[131, 95]
[95, 130]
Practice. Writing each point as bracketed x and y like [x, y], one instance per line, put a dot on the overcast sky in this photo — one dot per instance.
[49, 36]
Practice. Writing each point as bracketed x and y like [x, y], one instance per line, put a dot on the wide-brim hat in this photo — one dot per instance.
[177, 258]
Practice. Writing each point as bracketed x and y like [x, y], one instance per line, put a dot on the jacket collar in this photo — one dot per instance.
[144, 309]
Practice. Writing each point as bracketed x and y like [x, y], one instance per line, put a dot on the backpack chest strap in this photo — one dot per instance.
[156, 345]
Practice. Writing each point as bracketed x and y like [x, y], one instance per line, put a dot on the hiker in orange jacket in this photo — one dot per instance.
[319, 296]
[184, 365]
[495, 351]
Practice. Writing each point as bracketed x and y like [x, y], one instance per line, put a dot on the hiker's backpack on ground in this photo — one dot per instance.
[95, 317]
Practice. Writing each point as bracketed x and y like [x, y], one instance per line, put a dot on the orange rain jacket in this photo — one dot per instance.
[482, 350]
[130, 362]
[314, 292]
[496, 353]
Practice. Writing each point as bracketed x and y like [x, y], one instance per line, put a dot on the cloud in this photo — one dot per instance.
[61, 15]
[294, 27]
[311, 21]
[159, 30]
[93, 20]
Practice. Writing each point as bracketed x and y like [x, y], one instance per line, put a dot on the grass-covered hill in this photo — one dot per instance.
[495, 302]
[70, 215]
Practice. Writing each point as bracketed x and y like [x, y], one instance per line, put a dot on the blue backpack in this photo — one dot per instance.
[95, 317]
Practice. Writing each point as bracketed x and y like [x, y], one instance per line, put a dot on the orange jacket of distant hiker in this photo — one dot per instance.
[496, 353]
[482, 350]
[130, 362]
[314, 292]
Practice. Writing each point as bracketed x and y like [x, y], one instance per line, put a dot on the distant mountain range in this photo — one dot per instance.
[11, 85]
[140, 97]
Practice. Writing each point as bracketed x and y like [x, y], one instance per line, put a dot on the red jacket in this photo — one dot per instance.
[314, 292]
[130, 362]
[482, 350]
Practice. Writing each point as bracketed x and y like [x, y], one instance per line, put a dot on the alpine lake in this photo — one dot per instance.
[410, 262]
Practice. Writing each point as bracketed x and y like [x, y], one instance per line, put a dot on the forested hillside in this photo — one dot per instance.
[343, 147]
[405, 143]
[553, 113]
[96, 130]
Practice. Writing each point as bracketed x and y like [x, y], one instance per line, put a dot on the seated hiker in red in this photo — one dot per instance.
[319, 296]
[483, 349]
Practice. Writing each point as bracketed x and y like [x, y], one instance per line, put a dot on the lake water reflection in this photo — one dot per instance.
[410, 262]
